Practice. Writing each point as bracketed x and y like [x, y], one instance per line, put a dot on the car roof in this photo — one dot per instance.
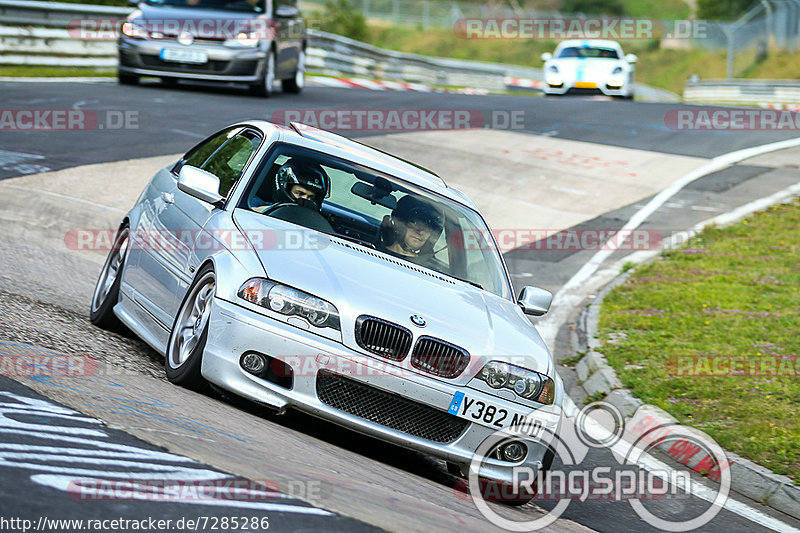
[351, 150]
[590, 42]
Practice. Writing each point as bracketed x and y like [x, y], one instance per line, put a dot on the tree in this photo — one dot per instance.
[721, 9]
[594, 7]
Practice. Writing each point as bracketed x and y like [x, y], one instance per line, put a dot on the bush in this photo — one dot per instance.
[721, 9]
[342, 18]
[594, 7]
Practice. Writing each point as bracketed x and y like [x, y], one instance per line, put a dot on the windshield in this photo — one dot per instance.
[587, 51]
[248, 6]
[375, 210]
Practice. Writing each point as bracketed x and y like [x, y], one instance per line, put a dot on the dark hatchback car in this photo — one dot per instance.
[252, 42]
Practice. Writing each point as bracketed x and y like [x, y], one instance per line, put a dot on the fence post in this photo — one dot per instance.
[729, 32]
[426, 14]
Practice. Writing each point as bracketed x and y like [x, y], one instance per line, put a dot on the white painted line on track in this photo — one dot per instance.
[65, 197]
[651, 464]
[60, 80]
[564, 301]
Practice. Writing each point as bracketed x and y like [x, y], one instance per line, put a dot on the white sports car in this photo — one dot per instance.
[589, 66]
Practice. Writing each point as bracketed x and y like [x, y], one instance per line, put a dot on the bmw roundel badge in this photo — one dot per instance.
[418, 321]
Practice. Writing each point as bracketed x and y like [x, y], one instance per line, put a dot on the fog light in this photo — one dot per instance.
[253, 362]
[514, 451]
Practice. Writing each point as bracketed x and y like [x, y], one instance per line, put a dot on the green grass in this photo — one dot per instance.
[731, 292]
[27, 71]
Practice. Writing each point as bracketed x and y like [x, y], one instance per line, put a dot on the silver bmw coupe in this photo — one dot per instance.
[299, 269]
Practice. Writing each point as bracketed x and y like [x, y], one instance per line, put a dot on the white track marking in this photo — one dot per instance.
[65, 197]
[573, 292]
[651, 464]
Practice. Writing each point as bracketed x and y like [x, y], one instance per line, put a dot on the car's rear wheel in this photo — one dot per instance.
[106, 292]
[127, 79]
[267, 84]
[190, 332]
[295, 85]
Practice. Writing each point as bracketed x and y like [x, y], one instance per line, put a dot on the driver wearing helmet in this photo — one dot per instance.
[412, 230]
[302, 183]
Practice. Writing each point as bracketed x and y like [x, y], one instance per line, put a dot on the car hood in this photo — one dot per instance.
[362, 281]
[586, 69]
[205, 23]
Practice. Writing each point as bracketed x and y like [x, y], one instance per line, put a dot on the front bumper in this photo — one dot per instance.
[142, 58]
[599, 88]
[235, 330]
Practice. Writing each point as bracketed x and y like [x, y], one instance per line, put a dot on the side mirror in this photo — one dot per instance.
[631, 58]
[286, 12]
[200, 184]
[547, 56]
[534, 301]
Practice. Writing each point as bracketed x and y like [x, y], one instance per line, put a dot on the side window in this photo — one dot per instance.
[198, 155]
[229, 160]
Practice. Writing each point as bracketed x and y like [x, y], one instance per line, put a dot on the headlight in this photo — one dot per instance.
[525, 383]
[247, 40]
[130, 29]
[553, 69]
[617, 70]
[290, 302]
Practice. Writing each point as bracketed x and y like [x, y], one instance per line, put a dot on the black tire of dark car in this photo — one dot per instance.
[127, 79]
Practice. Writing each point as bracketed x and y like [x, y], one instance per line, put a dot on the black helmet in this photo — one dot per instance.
[413, 209]
[309, 175]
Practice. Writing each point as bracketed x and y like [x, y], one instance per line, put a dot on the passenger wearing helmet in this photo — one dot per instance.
[302, 183]
[412, 230]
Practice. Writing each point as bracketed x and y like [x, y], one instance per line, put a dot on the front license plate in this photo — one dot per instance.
[585, 85]
[183, 56]
[495, 416]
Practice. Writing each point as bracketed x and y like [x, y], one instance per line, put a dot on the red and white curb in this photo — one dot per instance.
[376, 85]
[523, 83]
[781, 107]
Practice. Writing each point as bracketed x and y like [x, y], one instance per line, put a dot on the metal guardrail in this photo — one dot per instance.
[741, 91]
[49, 43]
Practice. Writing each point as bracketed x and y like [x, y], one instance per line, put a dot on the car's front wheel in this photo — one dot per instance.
[106, 292]
[127, 79]
[190, 332]
[295, 85]
[267, 84]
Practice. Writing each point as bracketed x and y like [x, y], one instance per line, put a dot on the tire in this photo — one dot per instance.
[295, 85]
[106, 291]
[169, 82]
[127, 79]
[187, 341]
[266, 87]
[495, 491]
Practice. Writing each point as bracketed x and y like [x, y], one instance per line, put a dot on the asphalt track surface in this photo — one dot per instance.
[169, 121]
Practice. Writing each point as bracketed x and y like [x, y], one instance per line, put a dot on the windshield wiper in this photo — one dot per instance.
[473, 283]
[356, 240]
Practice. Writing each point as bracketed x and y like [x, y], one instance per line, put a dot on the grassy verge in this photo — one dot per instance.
[731, 292]
[28, 71]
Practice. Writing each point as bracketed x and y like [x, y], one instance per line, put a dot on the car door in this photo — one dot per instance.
[228, 163]
[167, 235]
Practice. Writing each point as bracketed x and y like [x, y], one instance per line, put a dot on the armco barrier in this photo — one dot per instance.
[741, 91]
[34, 33]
